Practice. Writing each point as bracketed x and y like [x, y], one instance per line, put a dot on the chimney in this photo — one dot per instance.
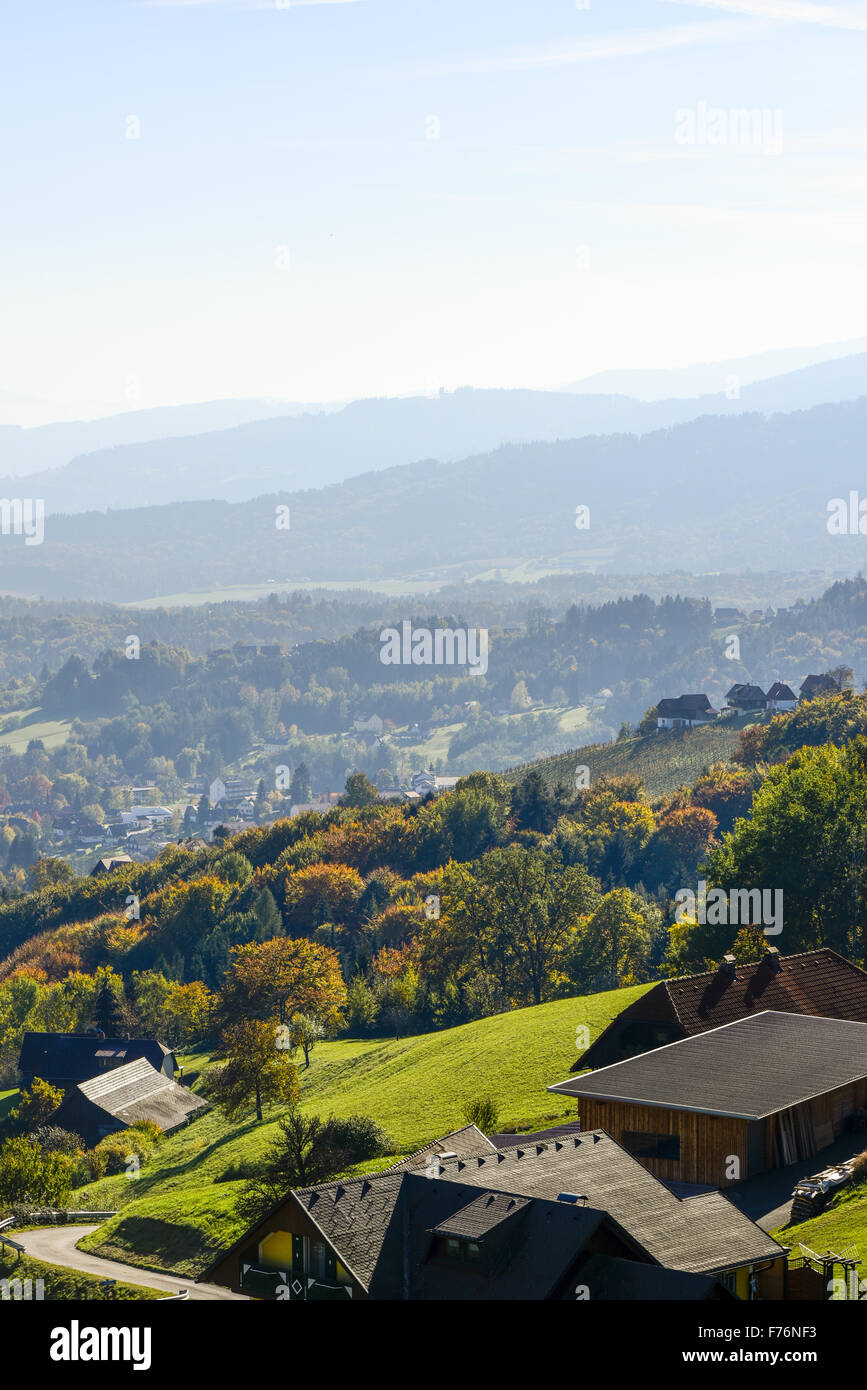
[771, 959]
[726, 967]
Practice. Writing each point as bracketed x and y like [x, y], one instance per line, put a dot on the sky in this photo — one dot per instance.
[317, 201]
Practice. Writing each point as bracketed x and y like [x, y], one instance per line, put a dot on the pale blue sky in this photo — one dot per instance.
[555, 227]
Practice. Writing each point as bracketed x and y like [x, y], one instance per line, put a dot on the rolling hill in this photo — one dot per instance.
[764, 483]
[180, 1209]
[663, 761]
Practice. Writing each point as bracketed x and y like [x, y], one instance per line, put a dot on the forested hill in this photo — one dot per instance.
[765, 482]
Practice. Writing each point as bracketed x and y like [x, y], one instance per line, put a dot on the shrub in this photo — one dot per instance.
[342, 1143]
[483, 1112]
[54, 1139]
[29, 1175]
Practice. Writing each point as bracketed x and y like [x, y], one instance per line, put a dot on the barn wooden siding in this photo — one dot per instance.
[707, 1142]
[802, 1130]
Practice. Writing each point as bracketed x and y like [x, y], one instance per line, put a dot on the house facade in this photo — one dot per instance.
[684, 712]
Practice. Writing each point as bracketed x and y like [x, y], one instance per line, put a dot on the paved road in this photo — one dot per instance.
[56, 1245]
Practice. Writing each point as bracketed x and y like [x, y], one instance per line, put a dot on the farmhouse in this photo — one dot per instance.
[820, 983]
[135, 1091]
[64, 1059]
[812, 686]
[538, 1219]
[684, 712]
[745, 699]
[109, 863]
[781, 697]
[756, 1094]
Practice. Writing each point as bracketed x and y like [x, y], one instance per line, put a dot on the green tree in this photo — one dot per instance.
[256, 1070]
[359, 792]
[29, 1175]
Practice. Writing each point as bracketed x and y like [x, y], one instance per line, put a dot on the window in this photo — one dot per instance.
[451, 1248]
[642, 1145]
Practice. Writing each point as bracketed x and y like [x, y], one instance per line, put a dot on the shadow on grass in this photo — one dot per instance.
[164, 1245]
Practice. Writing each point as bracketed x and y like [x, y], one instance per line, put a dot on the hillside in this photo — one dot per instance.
[180, 1209]
[663, 761]
[758, 479]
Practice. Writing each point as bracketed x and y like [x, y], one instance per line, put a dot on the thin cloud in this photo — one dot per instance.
[618, 45]
[787, 12]
[239, 4]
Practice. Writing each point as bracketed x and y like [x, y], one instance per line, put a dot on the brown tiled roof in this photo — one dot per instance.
[821, 983]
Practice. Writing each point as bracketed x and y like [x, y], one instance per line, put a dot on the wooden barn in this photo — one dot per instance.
[64, 1059]
[760, 1093]
[813, 982]
[120, 1097]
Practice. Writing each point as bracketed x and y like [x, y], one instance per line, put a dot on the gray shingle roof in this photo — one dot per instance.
[700, 1234]
[137, 1091]
[748, 1069]
[481, 1216]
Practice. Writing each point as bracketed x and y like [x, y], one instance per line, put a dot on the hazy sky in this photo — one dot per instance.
[486, 192]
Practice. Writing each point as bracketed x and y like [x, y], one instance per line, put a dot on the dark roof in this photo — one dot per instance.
[735, 690]
[822, 983]
[481, 1216]
[71, 1056]
[680, 1235]
[684, 705]
[780, 691]
[703, 1234]
[464, 1142]
[747, 692]
[748, 1069]
[817, 685]
[137, 1091]
[507, 1141]
[607, 1277]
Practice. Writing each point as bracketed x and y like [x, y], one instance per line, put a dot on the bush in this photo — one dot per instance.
[29, 1175]
[341, 1143]
[484, 1113]
[119, 1148]
[53, 1139]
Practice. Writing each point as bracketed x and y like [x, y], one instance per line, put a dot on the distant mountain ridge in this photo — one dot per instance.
[713, 494]
[292, 452]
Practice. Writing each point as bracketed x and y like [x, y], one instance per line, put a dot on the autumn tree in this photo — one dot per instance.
[273, 980]
[255, 1069]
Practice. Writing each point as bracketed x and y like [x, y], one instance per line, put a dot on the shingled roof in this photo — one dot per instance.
[748, 1070]
[70, 1057]
[699, 1234]
[821, 983]
[135, 1091]
[702, 1234]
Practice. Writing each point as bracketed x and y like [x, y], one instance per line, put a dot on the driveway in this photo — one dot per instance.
[767, 1198]
[56, 1246]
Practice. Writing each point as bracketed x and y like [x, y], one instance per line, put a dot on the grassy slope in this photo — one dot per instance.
[177, 1213]
[64, 1285]
[664, 761]
[842, 1225]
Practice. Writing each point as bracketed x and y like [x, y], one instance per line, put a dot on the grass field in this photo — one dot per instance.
[52, 732]
[69, 1285]
[664, 761]
[179, 1212]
